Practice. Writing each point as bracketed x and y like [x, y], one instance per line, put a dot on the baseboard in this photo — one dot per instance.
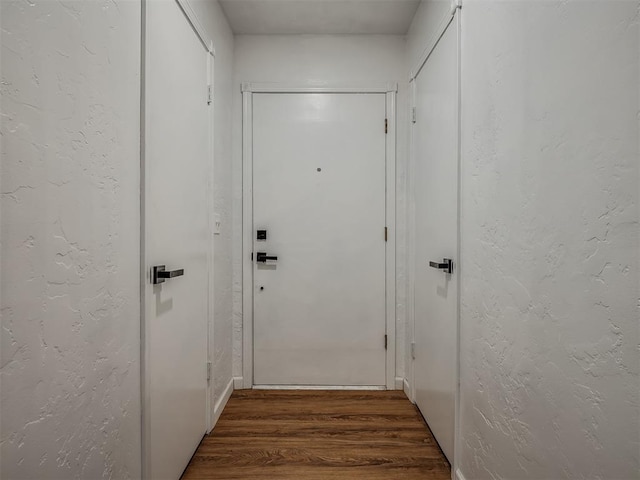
[238, 383]
[222, 402]
[399, 382]
[459, 475]
[407, 389]
[319, 387]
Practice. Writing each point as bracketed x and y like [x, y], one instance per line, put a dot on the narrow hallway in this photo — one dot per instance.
[422, 214]
[306, 434]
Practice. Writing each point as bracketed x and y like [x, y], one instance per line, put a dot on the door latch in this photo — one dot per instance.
[446, 265]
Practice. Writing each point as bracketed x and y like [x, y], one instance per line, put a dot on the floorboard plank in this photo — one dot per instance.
[314, 435]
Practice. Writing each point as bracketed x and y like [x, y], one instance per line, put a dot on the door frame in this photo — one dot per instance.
[145, 398]
[453, 17]
[248, 89]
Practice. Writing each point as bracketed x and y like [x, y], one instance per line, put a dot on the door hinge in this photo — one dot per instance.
[413, 350]
[414, 115]
[386, 126]
[386, 234]
[209, 94]
[385, 342]
[252, 256]
[208, 372]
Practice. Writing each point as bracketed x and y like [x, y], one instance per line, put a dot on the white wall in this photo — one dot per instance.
[334, 59]
[550, 238]
[70, 372]
[550, 250]
[69, 297]
[215, 22]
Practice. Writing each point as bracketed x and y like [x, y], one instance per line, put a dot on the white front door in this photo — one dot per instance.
[177, 170]
[436, 206]
[319, 197]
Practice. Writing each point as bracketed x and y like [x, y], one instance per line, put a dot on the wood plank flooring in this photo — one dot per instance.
[316, 435]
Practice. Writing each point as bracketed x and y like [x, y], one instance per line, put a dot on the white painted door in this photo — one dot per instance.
[177, 168]
[319, 192]
[436, 222]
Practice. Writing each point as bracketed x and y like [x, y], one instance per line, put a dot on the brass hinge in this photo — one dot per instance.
[386, 234]
[386, 126]
[385, 342]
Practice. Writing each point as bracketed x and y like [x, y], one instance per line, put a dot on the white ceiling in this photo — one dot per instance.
[266, 17]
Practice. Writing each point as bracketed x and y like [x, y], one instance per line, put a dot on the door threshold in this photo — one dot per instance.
[319, 387]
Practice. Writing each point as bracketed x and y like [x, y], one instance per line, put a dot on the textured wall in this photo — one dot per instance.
[550, 255]
[70, 373]
[214, 20]
[352, 60]
[550, 233]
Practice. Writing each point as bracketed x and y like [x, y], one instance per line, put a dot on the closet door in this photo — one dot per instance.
[436, 137]
[177, 173]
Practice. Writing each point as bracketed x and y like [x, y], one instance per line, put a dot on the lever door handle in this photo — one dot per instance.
[446, 265]
[262, 257]
[159, 274]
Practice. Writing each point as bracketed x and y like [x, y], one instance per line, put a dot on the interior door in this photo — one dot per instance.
[319, 207]
[436, 135]
[177, 170]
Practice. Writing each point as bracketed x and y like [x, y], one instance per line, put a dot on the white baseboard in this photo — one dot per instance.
[459, 475]
[399, 383]
[222, 402]
[407, 389]
[238, 383]
[319, 387]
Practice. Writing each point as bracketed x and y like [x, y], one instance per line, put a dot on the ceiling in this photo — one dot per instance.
[270, 17]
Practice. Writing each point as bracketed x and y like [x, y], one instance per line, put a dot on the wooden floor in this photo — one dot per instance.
[267, 434]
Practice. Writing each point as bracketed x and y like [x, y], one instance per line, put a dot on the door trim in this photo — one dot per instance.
[315, 87]
[145, 399]
[196, 24]
[248, 89]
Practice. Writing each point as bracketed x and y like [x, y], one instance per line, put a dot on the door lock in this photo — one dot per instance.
[262, 257]
[446, 265]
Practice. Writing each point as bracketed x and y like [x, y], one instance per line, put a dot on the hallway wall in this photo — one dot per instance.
[550, 237]
[333, 59]
[70, 371]
[69, 253]
[550, 253]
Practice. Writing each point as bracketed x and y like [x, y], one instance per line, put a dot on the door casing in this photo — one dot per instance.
[248, 89]
[207, 42]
